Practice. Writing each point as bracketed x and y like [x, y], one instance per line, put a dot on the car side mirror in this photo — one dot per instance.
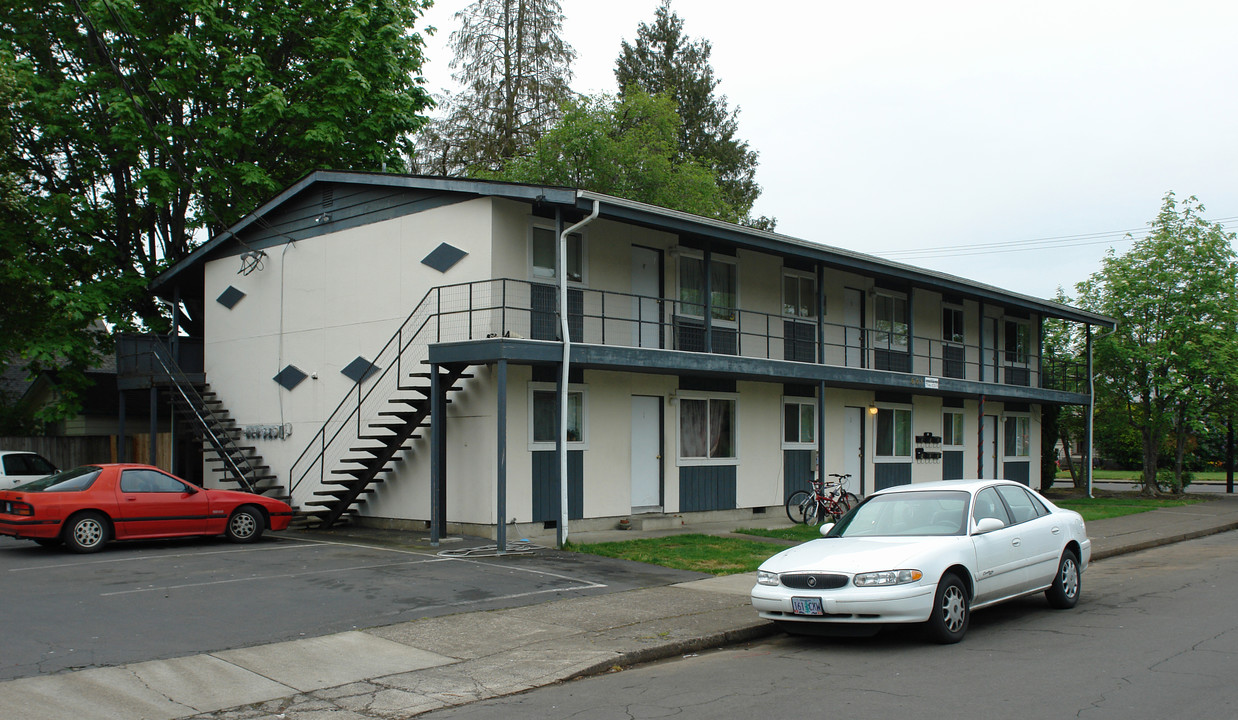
[826, 528]
[988, 525]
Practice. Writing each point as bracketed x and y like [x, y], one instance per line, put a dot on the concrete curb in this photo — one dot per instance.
[754, 631]
[1162, 540]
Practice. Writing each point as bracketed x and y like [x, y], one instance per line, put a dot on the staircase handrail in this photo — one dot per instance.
[193, 399]
[403, 339]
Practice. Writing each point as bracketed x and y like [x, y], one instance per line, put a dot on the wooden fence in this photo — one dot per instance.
[69, 452]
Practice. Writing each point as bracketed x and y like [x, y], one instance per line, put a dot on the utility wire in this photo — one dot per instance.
[1045, 243]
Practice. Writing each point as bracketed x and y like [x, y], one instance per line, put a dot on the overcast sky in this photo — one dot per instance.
[896, 126]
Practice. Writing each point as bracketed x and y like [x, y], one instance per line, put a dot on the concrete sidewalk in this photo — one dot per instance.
[401, 670]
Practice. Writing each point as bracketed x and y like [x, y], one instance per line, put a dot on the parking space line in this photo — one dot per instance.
[139, 558]
[160, 588]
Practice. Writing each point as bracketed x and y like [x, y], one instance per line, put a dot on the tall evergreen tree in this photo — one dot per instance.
[134, 126]
[665, 61]
[514, 70]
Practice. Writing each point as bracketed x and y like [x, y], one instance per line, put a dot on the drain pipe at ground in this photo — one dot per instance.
[567, 349]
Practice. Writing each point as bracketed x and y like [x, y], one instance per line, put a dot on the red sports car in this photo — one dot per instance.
[87, 506]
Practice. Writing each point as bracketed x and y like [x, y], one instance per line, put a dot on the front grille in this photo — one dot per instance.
[814, 581]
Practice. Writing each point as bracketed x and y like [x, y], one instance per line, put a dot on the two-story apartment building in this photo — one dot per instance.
[390, 347]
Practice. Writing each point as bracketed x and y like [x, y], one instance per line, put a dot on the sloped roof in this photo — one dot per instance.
[652, 216]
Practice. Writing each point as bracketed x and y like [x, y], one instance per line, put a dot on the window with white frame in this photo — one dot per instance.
[707, 430]
[723, 286]
[890, 321]
[893, 433]
[799, 423]
[1018, 436]
[952, 428]
[543, 411]
[799, 294]
[544, 251]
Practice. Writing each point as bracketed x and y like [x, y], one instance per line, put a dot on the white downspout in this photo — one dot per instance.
[567, 349]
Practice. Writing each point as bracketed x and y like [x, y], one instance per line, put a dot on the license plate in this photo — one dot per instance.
[807, 606]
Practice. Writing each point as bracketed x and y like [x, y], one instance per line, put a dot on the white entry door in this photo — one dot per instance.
[646, 454]
[988, 449]
[646, 305]
[853, 448]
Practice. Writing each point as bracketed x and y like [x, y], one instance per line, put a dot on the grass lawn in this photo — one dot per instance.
[702, 553]
[1099, 508]
[728, 556]
[1135, 476]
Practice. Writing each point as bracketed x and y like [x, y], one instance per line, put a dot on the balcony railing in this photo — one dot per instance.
[517, 308]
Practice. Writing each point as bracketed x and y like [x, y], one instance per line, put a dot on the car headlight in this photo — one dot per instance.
[887, 577]
[767, 578]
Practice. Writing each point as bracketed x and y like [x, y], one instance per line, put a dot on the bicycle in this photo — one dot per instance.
[826, 499]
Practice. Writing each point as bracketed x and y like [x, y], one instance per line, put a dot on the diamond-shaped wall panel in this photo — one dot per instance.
[359, 369]
[444, 257]
[230, 297]
[290, 377]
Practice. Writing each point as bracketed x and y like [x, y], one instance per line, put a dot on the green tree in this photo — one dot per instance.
[624, 147]
[514, 70]
[665, 61]
[1175, 296]
[1065, 368]
[138, 127]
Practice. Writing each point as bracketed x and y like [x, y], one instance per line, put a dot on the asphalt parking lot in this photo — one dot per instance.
[158, 600]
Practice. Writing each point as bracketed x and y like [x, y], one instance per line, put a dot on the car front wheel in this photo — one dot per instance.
[1064, 592]
[87, 533]
[245, 525]
[951, 614]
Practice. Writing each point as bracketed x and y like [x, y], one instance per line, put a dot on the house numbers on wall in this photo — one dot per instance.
[268, 432]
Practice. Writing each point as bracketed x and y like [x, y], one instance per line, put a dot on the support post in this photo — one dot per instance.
[121, 454]
[501, 470]
[1091, 410]
[436, 467]
[154, 425]
[708, 314]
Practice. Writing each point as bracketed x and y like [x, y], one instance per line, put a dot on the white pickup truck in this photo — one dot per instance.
[17, 467]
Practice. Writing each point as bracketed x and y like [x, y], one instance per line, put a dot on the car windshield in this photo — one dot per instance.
[74, 480]
[906, 514]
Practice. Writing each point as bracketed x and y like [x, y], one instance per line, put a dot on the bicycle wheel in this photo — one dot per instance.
[848, 501]
[800, 505]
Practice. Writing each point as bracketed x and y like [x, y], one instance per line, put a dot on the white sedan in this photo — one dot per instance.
[927, 553]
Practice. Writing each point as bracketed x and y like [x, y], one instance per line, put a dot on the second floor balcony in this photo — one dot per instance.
[506, 308]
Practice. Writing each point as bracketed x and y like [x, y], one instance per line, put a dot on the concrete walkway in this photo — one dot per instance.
[401, 670]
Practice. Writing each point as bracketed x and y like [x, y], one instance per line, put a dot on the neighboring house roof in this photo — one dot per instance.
[619, 209]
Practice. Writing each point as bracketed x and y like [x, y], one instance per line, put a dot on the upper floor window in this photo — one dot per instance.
[723, 287]
[1018, 341]
[799, 294]
[952, 324]
[890, 321]
[544, 251]
[893, 433]
[799, 422]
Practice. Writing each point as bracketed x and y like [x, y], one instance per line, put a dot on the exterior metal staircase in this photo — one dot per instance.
[198, 409]
[376, 424]
[382, 444]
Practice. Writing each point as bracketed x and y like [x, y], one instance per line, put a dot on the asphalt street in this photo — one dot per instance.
[1153, 637]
